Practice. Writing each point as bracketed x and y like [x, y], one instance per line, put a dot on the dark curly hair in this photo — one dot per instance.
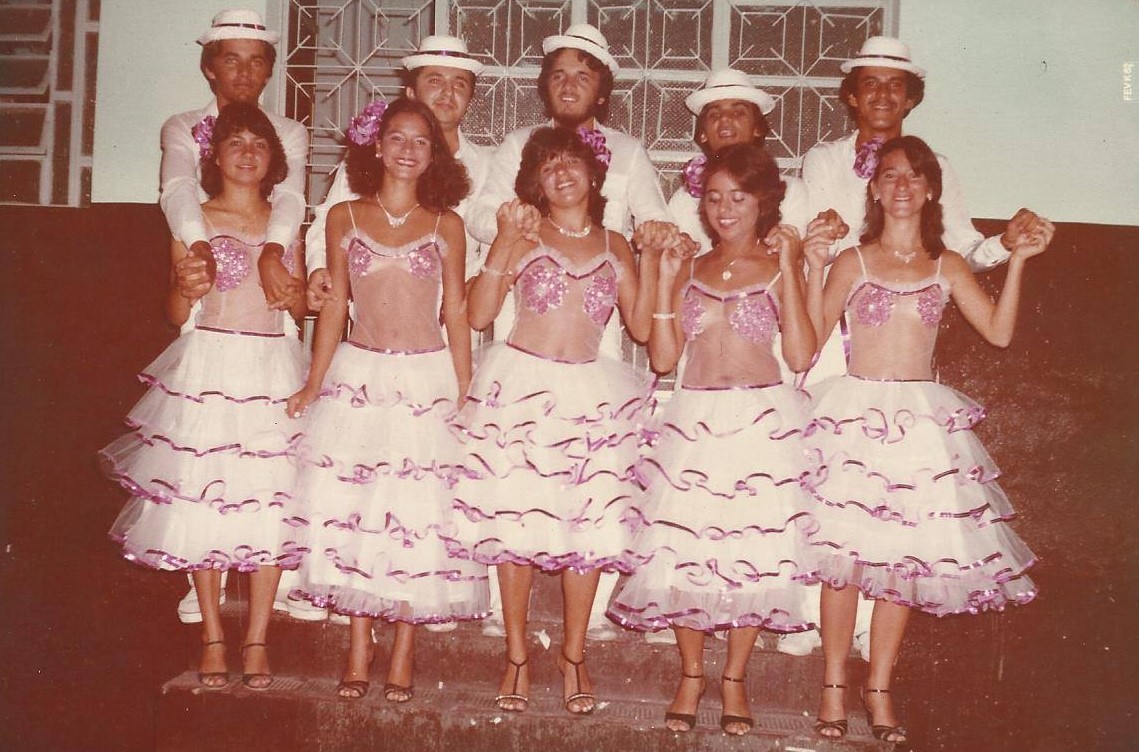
[441, 186]
[915, 90]
[924, 162]
[756, 173]
[760, 121]
[600, 111]
[236, 118]
[548, 143]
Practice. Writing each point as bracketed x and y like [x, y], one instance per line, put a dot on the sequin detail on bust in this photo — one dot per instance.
[232, 264]
[422, 261]
[691, 315]
[754, 320]
[600, 297]
[358, 259]
[930, 306]
[874, 306]
[544, 288]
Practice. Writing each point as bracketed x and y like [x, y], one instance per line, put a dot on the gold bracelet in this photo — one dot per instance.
[663, 316]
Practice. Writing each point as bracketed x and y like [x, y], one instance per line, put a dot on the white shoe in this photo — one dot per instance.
[189, 612]
[303, 610]
[663, 637]
[602, 632]
[862, 643]
[446, 626]
[799, 643]
[342, 619]
[493, 626]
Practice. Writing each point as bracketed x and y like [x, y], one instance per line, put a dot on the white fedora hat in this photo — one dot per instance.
[883, 52]
[238, 24]
[440, 49]
[729, 84]
[582, 37]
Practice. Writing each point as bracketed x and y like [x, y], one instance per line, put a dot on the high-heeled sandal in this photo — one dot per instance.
[882, 732]
[840, 725]
[250, 681]
[578, 695]
[205, 677]
[357, 689]
[727, 720]
[689, 719]
[398, 693]
[514, 697]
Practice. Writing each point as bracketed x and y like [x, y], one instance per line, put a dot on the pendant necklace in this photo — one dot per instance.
[905, 258]
[393, 220]
[727, 273]
[578, 234]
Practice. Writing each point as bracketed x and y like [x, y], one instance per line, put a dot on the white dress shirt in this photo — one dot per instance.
[474, 157]
[828, 170]
[794, 210]
[632, 186]
[181, 195]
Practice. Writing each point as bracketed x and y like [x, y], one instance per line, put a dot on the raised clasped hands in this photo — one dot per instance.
[822, 233]
[518, 221]
[784, 240]
[1027, 234]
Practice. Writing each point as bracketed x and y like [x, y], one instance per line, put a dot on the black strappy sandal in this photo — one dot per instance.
[204, 677]
[578, 695]
[882, 732]
[727, 720]
[841, 725]
[689, 719]
[250, 681]
[514, 696]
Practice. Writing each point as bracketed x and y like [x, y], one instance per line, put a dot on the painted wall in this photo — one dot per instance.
[148, 70]
[1027, 103]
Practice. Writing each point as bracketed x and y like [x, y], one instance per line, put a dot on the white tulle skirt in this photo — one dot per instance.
[907, 500]
[550, 451]
[208, 460]
[722, 526]
[373, 500]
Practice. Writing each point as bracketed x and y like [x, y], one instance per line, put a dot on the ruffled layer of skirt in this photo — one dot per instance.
[907, 500]
[550, 451]
[722, 530]
[373, 506]
[208, 461]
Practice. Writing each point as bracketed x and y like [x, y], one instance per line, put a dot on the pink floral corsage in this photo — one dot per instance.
[693, 173]
[203, 133]
[365, 127]
[595, 139]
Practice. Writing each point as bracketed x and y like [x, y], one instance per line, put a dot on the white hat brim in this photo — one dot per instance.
[233, 32]
[419, 60]
[697, 100]
[882, 62]
[560, 42]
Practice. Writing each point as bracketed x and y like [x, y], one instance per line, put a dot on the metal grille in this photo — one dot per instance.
[47, 101]
[340, 54]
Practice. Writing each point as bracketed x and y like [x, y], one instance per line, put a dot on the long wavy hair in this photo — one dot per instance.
[756, 173]
[441, 186]
[546, 144]
[237, 118]
[924, 162]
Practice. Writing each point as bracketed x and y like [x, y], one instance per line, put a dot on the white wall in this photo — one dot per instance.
[148, 70]
[1024, 97]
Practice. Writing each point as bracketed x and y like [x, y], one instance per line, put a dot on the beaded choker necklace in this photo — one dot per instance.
[572, 233]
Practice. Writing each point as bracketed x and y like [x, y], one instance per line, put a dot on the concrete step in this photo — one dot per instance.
[299, 712]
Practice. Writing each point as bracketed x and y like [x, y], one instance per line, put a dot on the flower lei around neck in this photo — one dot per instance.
[365, 127]
[693, 173]
[203, 133]
[595, 139]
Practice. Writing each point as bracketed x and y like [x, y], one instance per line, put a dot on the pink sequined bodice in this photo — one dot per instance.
[893, 327]
[236, 302]
[562, 310]
[729, 335]
[397, 293]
